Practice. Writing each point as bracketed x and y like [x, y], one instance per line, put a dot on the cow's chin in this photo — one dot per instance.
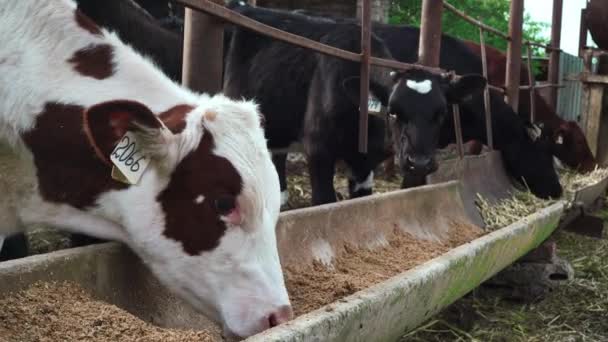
[413, 179]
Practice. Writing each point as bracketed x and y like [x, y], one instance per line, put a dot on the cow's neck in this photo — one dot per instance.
[88, 66]
[381, 84]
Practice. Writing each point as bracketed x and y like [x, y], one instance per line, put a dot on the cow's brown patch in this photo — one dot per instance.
[175, 117]
[68, 168]
[86, 23]
[197, 225]
[94, 61]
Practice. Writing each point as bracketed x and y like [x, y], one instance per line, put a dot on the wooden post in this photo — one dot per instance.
[556, 32]
[366, 29]
[593, 94]
[203, 53]
[430, 33]
[582, 36]
[516, 17]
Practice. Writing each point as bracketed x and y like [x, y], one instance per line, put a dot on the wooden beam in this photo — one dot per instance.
[592, 115]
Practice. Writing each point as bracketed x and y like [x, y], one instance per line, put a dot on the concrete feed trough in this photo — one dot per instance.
[381, 312]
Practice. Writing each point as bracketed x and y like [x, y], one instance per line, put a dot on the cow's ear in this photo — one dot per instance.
[558, 136]
[106, 123]
[459, 90]
[396, 75]
[350, 88]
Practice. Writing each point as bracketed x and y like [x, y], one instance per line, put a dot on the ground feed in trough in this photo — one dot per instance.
[65, 312]
[313, 286]
[52, 311]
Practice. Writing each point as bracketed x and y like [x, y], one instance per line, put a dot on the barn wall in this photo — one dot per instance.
[569, 104]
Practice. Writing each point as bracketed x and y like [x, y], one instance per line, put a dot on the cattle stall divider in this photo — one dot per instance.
[240, 20]
[553, 47]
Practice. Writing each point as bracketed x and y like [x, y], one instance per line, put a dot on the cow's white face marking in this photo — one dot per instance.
[367, 184]
[199, 199]
[559, 140]
[422, 87]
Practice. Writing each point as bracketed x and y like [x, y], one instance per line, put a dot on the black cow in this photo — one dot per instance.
[314, 98]
[526, 159]
[13, 247]
[134, 25]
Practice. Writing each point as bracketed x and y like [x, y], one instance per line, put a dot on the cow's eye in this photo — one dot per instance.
[225, 204]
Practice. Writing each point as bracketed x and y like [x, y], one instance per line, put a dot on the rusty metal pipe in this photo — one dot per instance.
[458, 130]
[516, 17]
[430, 33]
[556, 31]
[474, 21]
[532, 85]
[486, 91]
[366, 23]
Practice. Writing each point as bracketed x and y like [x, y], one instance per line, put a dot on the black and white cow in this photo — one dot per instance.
[313, 98]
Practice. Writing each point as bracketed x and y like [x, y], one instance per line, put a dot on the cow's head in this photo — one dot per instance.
[529, 160]
[571, 148]
[418, 106]
[203, 214]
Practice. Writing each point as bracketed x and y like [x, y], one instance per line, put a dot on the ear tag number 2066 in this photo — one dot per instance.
[129, 160]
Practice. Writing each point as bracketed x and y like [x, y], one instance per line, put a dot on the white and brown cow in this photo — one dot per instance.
[203, 214]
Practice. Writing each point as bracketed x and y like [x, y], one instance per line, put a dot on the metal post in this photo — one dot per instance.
[458, 130]
[516, 17]
[532, 84]
[203, 60]
[486, 91]
[556, 31]
[430, 33]
[366, 23]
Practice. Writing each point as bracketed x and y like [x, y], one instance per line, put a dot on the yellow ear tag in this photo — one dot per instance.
[118, 176]
[129, 162]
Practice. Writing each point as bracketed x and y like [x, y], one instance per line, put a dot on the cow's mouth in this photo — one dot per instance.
[415, 169]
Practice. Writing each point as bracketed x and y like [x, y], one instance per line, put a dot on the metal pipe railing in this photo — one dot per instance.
[532, 85]
[366, 20]
[486, 91]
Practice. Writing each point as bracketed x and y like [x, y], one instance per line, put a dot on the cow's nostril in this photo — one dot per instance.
[282, 315]
[273, 321]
